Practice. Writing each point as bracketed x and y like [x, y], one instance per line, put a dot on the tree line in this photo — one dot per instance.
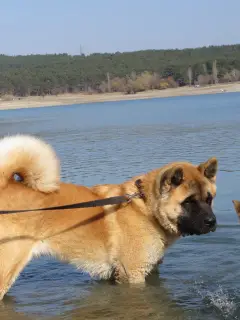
[127, 72]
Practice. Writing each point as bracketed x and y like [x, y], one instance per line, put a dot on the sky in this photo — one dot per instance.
[87, 26]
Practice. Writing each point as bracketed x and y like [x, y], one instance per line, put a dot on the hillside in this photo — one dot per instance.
[127, 72]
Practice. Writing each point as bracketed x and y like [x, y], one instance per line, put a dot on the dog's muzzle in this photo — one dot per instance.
[197, 218]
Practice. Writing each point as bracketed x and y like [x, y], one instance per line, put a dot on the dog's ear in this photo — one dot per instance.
[171, 178]
[209, 169]
[236, 204]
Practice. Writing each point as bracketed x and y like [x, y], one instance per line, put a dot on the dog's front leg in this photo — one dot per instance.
[155, 269]
[137, 277]
[126, 274]
[139, 274]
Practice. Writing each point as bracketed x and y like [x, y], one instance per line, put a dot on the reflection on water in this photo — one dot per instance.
[104, 302]
[110, 142]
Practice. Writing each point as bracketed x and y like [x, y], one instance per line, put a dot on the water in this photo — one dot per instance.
[108, 143]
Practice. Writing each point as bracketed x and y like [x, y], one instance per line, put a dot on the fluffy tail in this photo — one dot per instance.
[32, 159]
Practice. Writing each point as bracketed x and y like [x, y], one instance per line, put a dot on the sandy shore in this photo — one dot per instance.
[69, 99]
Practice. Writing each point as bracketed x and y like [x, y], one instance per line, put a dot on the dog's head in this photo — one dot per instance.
[181, 197]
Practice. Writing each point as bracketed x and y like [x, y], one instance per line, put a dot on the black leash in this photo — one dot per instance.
[88, 204]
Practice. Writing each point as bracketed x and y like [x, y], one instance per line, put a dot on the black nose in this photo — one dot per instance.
[210, 221]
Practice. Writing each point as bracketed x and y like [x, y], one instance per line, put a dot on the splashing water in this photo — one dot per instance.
[220, 300]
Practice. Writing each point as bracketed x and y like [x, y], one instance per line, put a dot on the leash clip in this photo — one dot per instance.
[132, 196]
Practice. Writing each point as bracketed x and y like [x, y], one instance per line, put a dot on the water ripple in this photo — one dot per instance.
[199, 278]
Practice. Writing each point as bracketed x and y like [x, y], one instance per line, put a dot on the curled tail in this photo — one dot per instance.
[32, 159]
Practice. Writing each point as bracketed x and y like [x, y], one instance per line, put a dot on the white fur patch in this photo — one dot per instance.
[42, 248]
[102, 270]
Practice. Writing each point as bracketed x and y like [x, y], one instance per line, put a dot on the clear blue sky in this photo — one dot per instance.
[53, 26]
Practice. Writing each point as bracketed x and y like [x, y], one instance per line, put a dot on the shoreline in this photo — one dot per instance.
[79, 98]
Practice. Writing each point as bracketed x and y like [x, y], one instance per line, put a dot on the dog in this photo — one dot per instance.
[121, 242]
[236, 204]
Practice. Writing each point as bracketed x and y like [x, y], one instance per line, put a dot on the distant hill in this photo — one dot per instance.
[125, 72]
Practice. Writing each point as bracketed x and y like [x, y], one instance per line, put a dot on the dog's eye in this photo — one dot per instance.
[209, 199]
[188, 200]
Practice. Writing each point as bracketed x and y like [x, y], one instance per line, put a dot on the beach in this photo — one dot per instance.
[78, 98]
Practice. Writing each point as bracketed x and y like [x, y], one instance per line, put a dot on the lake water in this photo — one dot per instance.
[108, 143]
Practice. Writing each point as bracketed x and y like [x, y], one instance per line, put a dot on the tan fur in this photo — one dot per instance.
[236, 204]
[127, 240]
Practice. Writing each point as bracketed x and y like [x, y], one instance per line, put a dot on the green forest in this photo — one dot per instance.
[126, 72]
